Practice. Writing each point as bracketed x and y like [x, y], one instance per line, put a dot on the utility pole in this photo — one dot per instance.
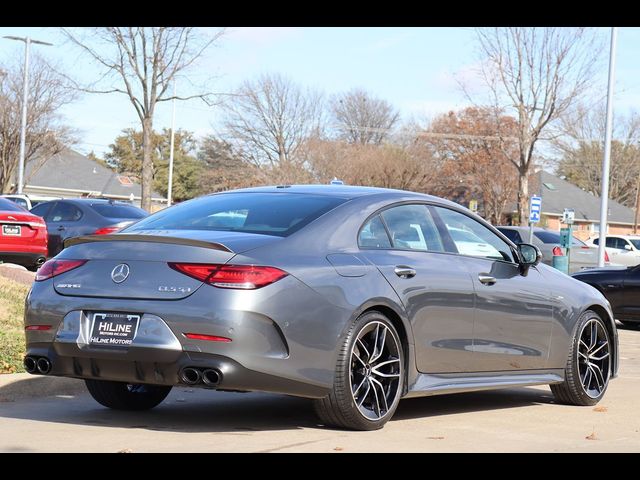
[604, 195]
[173, 133]
[25, 99]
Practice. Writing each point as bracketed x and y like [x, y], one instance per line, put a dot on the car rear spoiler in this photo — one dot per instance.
[130, 237]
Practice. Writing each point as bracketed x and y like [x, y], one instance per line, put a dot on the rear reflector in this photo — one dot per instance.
[38, 327]
[55, 267]
[557, 251]
[210, 338]
[606, 256]
[244, 277]
[106, 230]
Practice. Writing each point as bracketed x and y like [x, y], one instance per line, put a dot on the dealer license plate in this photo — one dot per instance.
[114, 329]
[12, 230]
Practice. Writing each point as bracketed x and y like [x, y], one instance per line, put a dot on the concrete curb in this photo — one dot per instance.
[16, 386]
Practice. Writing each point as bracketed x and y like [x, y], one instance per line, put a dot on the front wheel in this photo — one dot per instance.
[588, 367]
[127, 396]
[369, 376]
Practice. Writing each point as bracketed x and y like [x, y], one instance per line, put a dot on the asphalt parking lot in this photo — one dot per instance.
[192, 420]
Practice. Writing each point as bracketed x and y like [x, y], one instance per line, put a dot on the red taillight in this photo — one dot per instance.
[557, 251]
[107, 230]
[606, 256]
[55, 267]
[210, 338]
[38, 327]
[245, 277]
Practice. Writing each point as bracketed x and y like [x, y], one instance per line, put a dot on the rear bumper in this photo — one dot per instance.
[26, 259]
[153, 366]
[283, 337]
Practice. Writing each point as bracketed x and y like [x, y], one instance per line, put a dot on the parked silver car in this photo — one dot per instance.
[581, 257]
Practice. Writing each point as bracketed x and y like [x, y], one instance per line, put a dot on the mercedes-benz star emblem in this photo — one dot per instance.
[120, 273]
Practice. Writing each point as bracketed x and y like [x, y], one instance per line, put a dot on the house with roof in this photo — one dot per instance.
[70, 174]
[558, 194]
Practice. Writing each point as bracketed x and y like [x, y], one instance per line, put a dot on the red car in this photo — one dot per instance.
[23, 236]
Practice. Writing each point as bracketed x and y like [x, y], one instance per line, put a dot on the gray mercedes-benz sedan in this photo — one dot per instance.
[354, 297]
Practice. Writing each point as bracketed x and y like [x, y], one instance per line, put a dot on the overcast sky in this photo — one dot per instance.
[413, 68]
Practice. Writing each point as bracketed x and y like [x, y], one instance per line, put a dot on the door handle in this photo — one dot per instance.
[486, 279]
[404, 272]
[60, 228]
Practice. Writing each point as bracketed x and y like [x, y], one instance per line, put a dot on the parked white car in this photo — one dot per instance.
[28, 201]
[622, 249]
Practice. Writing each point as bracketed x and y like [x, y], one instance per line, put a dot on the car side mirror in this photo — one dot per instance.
[627, 247]
[530, 256]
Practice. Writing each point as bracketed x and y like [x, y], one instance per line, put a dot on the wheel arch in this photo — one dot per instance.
[399, 320]
[611, 329]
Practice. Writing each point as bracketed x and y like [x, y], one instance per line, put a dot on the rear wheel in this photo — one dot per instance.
[127, 396]
[369, 376]
[588, 367]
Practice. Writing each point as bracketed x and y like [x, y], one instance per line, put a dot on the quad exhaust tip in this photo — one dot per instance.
[44, 365]
[211, 377]
[190, 375]
[30, 364]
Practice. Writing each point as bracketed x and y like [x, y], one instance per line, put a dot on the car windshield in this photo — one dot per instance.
[278, 214]
[9, 206]
[554, 237]
[110, 210]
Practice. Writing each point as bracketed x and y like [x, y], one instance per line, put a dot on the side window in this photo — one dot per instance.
[614, 242]
[41, 210]
[472, 238]
[411, 227]
[374, 235]
[65, 212]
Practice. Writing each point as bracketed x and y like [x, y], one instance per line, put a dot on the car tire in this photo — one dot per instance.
[588, 367]
[126, 396]
[376, 382]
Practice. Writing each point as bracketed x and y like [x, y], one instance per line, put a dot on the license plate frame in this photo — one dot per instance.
[114, 329]
[12, 230]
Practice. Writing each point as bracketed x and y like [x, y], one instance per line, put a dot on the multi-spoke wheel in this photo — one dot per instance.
[369, 376]
[589, 364]
[127, 396]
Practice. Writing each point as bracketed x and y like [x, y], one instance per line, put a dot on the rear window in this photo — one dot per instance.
[8, 205]
[278, 214]
[109, 210]
[512, 235]
[554, 237]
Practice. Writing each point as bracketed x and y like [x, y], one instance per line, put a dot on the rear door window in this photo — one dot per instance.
[65, 212]
[412, 228]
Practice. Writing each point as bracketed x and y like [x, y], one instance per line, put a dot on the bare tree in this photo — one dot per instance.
[270, 118]
[144, 62]
[46, 135]
[361, 118]
[388, 166]
[581, 148]
[536, 73]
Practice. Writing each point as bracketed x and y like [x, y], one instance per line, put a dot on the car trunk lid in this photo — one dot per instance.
[136, 265]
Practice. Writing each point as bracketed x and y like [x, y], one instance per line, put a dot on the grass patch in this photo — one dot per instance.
[12, 343]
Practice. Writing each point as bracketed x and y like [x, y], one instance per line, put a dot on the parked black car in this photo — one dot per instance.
[621, 286]
[84, 216]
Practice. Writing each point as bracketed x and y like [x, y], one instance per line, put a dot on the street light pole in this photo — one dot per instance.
[25, 98]
[604, 195]
[173, 132]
